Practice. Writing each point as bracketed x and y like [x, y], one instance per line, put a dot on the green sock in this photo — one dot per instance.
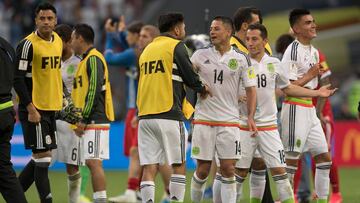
[84, 172]
[255, 200]
[291, 200]
[321, 201]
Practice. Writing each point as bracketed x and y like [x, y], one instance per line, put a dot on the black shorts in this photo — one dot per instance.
[41, 136]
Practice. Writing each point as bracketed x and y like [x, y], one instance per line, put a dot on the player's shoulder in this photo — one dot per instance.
[271, 59]
[75, 59]
[238, 53]
[203, 51]
[292, 50]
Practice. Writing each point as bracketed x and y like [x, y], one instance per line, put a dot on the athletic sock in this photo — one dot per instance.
[133, 184]
[217, 188]
[100, 197]
[147, 189]
[239, 185]
[26, 177]
[257, 185]
[197, 188]
[228, 189]
[291, 170]
[41, 179]
[74, 183]
[322, 180]
[284, 189]
[177, 187]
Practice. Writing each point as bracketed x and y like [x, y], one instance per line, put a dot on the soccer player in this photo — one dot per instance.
[164, 69]
[301, 129]
[10, 188]
[216, 122]
[128, 59]
[270, 75]
[92, 94]
[38, 84]
[68, 150]
[242, 18]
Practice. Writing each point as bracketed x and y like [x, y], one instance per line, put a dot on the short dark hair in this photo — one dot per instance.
[226, 20]
[243, 14]
[168, 21]
[261, 28]
[64, 31]
[45, 6]
[283, 42]
[86, 32]
[296, 14]
[135, 27]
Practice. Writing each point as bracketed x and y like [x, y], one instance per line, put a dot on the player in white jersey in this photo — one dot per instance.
[270, 75]
[68, 150]
[216, 121]
[301, 128]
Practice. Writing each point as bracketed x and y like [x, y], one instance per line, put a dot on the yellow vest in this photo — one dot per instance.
[81, 88]
[241, 47]
[47, 90]
[155, 89]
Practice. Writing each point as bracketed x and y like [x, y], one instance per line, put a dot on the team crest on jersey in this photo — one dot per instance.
[251, 72]
[70, 70]
[195, 150]
[298, 142]
[48, 139]
[271, 67]
[233, 64]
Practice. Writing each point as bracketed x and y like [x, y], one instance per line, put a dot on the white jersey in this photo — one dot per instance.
[300, 58]
[270, 75]
[222, 73]
[68, 70]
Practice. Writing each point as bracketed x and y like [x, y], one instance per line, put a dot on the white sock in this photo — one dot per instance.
[283, 186]
[228, 190]
[291, 170]
[239, 185]
[147, 189]
[217, 188]
[74, 183]
[197, 188]
[100, 197]
[257, 184]
[177, 187]
[322, 180]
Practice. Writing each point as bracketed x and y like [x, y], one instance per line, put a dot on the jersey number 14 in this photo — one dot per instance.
[218, 77]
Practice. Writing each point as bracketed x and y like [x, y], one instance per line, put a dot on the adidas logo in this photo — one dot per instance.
[207, 61]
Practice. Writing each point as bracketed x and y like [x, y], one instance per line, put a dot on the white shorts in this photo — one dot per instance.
[269, 147]
[220, 140]
[162, 141]
[95, 141]
[301, 130]
[68, 145]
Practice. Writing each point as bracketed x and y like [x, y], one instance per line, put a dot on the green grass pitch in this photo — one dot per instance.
[117, 180]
